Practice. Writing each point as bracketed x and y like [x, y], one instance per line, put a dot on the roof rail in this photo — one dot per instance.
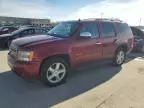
[105, 19]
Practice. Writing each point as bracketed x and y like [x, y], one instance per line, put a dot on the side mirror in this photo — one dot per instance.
[85, 34]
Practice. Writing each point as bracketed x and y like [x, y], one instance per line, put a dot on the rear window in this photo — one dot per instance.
[123, 28]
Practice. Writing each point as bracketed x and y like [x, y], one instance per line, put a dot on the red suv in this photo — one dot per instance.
[70, 44]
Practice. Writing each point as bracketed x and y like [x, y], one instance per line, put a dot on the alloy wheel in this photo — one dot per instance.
[120, 57]
[56, 72]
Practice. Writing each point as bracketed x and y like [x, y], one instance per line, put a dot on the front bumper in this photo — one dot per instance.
[30, 69]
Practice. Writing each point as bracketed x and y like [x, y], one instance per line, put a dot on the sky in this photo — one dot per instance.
[130, 11]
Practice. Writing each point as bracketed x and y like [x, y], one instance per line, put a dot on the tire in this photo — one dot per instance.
[119, 57]
[50, 72]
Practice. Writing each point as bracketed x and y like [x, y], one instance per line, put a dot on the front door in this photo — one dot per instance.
[87, 46]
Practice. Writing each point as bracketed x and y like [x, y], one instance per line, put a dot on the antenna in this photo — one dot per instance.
[101, 15]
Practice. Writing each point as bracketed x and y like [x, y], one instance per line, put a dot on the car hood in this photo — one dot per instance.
[34, 40]
[5, 35]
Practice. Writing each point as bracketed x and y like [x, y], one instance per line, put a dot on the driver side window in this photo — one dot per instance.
[90, 28]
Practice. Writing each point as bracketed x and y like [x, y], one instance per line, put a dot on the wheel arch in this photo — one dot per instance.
[122, 46]
[63, 56]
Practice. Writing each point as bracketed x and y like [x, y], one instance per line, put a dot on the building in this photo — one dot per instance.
[40, 22]
[23, 21]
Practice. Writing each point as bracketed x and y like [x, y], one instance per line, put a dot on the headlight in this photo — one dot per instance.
[25, 55]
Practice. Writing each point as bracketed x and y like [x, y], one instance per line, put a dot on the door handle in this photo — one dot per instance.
[98, 43]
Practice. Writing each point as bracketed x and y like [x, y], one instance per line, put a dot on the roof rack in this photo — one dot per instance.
[105, 19]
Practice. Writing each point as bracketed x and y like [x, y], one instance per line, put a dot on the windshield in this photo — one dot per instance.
[64, 29]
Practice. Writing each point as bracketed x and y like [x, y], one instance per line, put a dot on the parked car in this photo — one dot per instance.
[7, 29]
[6, 39]
[47, 28]
[138, 39]
[69, 45]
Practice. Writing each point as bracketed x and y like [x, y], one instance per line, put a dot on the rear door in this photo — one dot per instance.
[86, 48]
[109, 39]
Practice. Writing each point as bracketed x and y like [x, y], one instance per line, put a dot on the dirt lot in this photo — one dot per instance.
[100, 86]
[3, 61]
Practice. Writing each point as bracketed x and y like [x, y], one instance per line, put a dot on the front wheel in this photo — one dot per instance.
[119, 57]
[54, 71]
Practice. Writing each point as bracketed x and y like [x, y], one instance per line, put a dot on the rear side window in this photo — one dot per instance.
[107, 29]
[91, 28]
[23, 33]
[31, 31]
[123, 29]
[27, 32]
[40, 31]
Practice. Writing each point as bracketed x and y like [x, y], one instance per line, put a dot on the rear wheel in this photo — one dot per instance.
[54, 71]
[119, 57]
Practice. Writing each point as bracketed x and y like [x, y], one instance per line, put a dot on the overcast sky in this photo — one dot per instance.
[128, 10]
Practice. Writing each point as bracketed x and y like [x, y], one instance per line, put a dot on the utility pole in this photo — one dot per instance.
[101, 15]
[140, 22]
